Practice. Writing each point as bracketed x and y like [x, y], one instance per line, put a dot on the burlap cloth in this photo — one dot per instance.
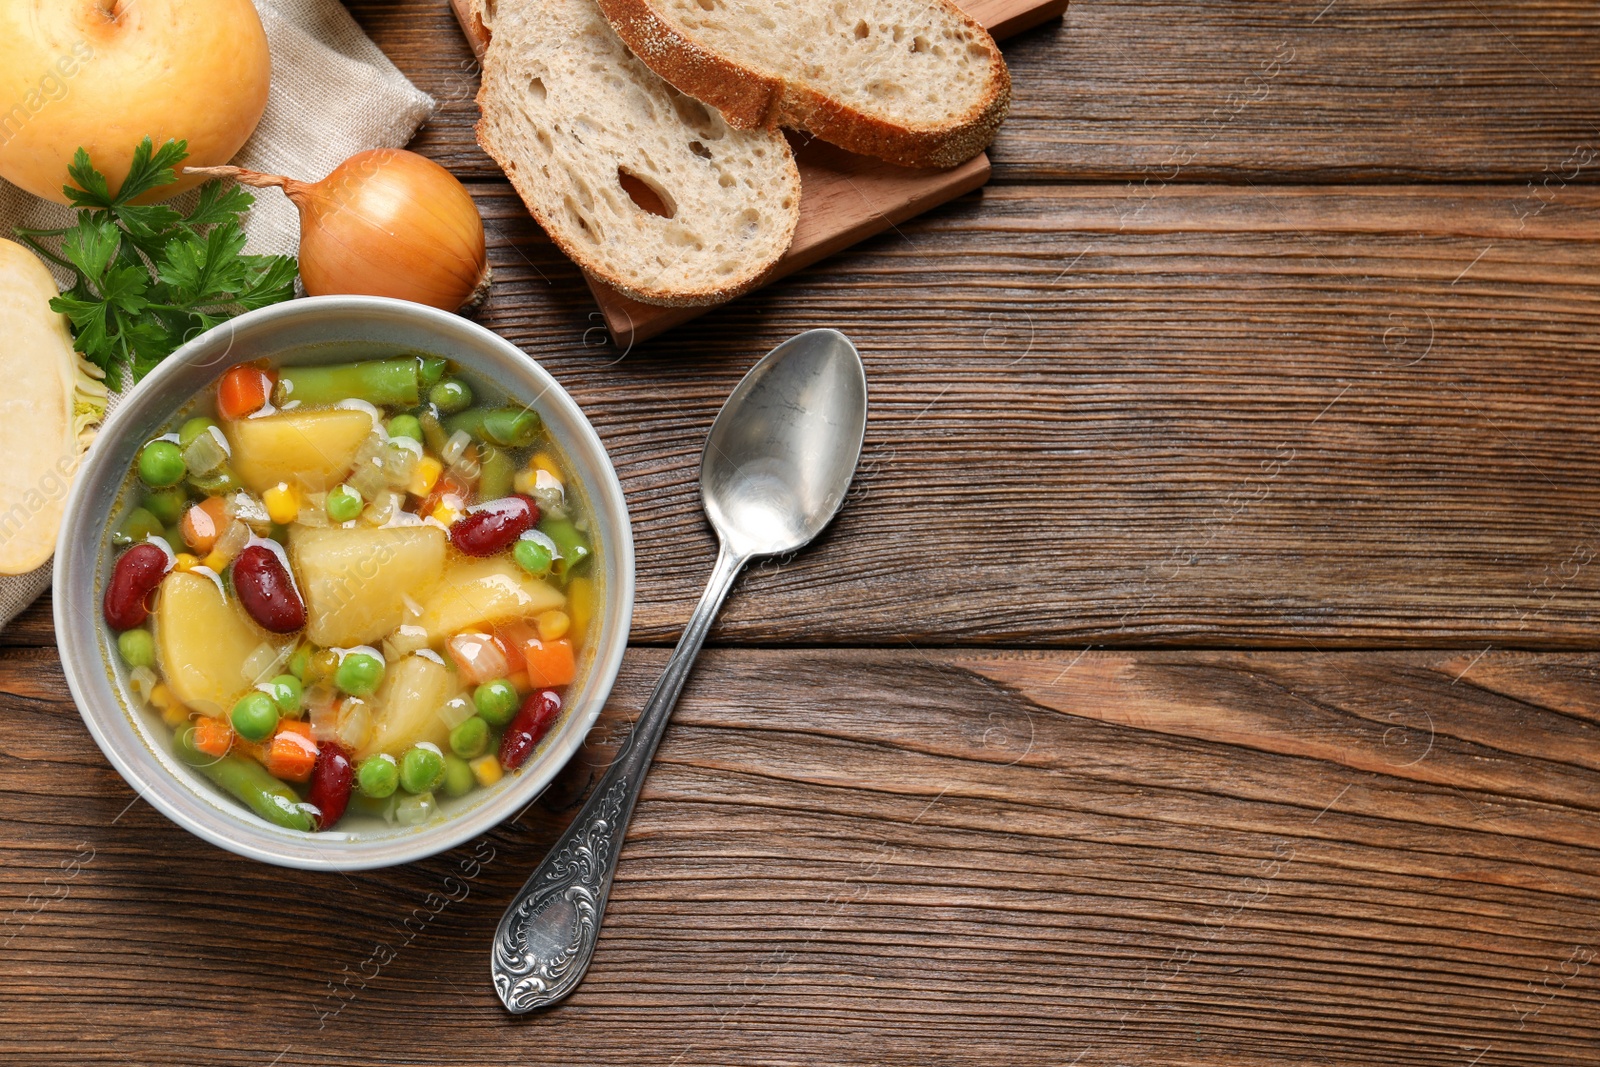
[333, 94]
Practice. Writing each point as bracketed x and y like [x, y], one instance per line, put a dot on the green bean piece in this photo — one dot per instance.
[193, 429]
[496, 473]
[433, 434]
[384, 382]
[167, 504]
[138, 649]
[532, 557]
[220, 482]
[512, 427]
[431, 370]
[470, 420]
[451, 396]
[572, 545]
[140, 524]
[248, 782]
[458, 779]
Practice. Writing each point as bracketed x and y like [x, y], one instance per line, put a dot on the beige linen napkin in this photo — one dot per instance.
[333, 94]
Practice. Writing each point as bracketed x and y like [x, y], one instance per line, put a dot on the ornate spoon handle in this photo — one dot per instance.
[548, 933]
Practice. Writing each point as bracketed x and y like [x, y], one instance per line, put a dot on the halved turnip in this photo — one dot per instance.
[51, 399]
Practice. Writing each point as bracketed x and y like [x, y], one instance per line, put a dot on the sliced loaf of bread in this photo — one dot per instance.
[645, 188]
[915, 82]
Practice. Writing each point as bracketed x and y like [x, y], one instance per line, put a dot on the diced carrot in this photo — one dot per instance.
[213, 736]
[550, 663]
[202, 524]
[291, 754]
[244, 389]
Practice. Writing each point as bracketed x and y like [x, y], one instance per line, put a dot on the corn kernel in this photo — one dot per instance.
[553, 625]
[486, 769]
[526, 481]
[445, 514]
[283, 503]
[424, 476]
[185, 562]
[215, 561]
[544, 461]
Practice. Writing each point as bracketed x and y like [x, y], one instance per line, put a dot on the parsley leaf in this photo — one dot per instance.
[147, 277]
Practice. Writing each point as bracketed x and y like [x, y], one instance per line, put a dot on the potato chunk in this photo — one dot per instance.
[356, 581]
[202, 642]
[313, 449]
[480, 592]
[406, 706]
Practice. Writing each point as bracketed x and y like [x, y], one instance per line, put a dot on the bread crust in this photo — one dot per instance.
[749, 98]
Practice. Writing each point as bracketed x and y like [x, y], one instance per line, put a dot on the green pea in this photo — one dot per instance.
[344, 503]
[377, 776]
[451, 395]
[138, 649]
[513, 427]
[255, 716]
[299, 661]
[140, 524]
[405, 426]
[421, 768]
[532, 557]
[359, 674]
[286, 691]
[161, 464]
[167, 504]
[193, 429]
[496, 701]
[470, 739]
[458, 779]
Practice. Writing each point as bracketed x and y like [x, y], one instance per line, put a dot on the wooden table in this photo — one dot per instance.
[1205, 670]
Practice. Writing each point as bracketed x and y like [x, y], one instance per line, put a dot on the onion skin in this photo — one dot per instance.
[385, 223]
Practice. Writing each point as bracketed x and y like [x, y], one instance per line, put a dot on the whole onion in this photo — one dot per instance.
[385, 223]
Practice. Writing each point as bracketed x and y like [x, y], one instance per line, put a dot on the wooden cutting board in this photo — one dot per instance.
[844, 198]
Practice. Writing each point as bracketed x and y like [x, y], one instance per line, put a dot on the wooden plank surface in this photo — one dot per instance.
[1265, 90]
[1313, 417]
[894, 857]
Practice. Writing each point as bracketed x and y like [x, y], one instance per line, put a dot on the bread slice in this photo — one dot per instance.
[646, 189]
[915, 82]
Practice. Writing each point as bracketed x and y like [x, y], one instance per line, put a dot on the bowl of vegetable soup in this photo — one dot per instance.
[343, 583]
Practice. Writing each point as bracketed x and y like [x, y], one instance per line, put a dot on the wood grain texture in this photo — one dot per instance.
[888, 857]
[1213, 416]
[1259, 90]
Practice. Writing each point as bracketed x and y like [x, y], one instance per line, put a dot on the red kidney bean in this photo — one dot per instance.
[137, 573]
[529, 725]
[264, 587]
[489, 528]
[331, 779]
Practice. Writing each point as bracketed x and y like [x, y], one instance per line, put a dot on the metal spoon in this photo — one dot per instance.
[774, 471]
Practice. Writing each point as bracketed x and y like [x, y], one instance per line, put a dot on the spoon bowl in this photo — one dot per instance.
[782, 451]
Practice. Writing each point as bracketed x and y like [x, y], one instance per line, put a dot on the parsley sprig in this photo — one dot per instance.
[147, 277]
